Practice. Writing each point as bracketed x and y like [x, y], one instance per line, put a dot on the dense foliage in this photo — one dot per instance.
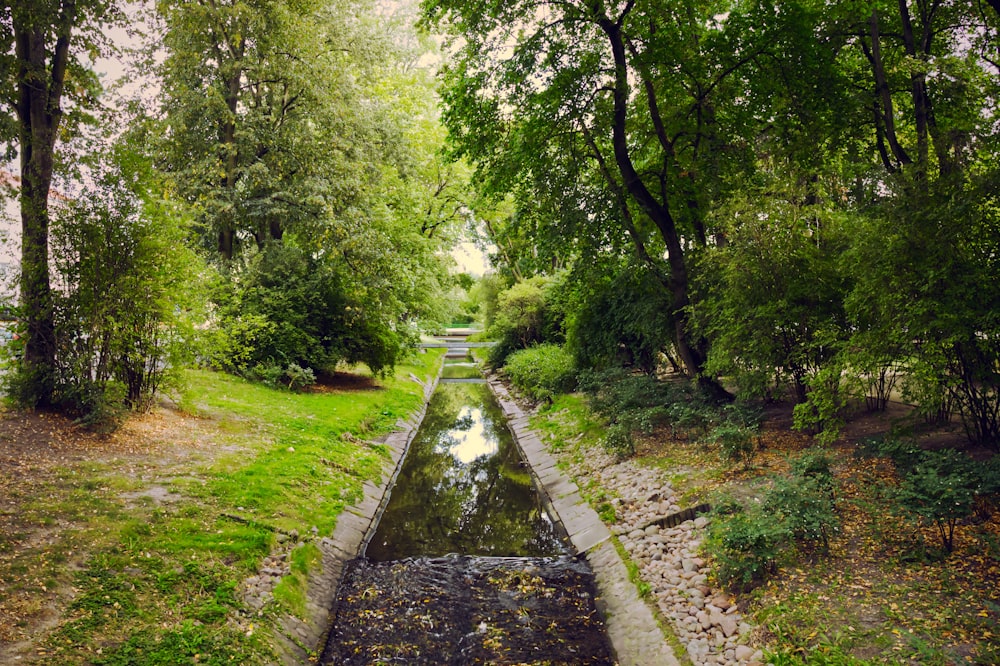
[123, 300]
[795, 200]
[541, 371]
[294, 145]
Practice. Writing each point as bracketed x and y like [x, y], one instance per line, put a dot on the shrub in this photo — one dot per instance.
[123, 273]
[737, 443]
[623, 317]
[902, 451]
[989, 477]
[299, 377]
[542, 371]
[619, 440]
[941, 489]
[815, 465]
[803, 506]
[745, 547]
[635, 402]
[291, 307]
[822, 412]
[524, 316]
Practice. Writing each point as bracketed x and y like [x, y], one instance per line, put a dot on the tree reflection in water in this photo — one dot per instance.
[462, 488]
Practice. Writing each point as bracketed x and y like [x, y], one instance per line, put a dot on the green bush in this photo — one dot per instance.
[619, 440]
[804, 508]
[124, 277]
[903, 452]
[989, 477]
[289, 307]
[737, 443]
[745, 547]
[623, 317]
[525, 315]
[541, 371]
[633, 402]
[941, 489]
[299, 377]
[815, 465]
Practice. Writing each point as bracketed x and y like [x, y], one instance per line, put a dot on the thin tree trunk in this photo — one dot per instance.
[883, 92]
[918, 91]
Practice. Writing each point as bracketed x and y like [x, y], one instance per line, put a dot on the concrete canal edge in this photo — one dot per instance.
[299, 638]
[636, 638]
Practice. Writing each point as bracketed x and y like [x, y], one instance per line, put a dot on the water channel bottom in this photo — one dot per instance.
[463, 487]
[468, 610]
[465, 566]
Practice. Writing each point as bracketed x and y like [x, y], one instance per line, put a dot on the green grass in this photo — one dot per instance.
[568, 423]
[160, 584]
[291, 591]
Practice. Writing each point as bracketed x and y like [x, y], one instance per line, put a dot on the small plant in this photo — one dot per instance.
[745, 547]
[619, 440]
[267, 374]
[822, 413]
[737, 443]
[803, 506]
[298, 377]
[815, 465]
[940, 489]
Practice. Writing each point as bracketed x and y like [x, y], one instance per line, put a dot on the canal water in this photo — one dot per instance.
[466, 566]
[463, 487]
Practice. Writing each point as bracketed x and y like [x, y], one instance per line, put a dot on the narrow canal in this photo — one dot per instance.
[466, 566]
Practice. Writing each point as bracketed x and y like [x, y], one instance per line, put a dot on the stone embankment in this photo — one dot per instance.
[663, 545]
[706, 621]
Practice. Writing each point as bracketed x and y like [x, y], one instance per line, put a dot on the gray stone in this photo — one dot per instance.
[728, 624]
[698, 649]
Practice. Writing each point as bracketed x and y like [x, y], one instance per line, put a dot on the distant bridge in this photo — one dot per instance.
[455, 344]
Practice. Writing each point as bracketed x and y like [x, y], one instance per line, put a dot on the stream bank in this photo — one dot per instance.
[635, 637]
[663, 542]
[301, 637]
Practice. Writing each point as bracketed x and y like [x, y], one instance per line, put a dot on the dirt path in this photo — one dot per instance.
[56, 481]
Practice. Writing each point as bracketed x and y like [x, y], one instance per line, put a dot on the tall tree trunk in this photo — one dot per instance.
[228, 149]
[918, 88]
[40, 88]
[691, 350]
[888, 115]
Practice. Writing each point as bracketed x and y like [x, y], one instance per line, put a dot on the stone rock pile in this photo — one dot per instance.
[707, 621]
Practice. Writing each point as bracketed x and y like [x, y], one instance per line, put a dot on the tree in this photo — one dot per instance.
[923, 257]
[773, 302]
[46, 87]
[650, 96]
[269, 124]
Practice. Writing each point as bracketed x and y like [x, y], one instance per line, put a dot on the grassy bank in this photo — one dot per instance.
[131, 549]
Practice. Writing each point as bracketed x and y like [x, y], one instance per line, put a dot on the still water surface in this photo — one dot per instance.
[463, 487]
